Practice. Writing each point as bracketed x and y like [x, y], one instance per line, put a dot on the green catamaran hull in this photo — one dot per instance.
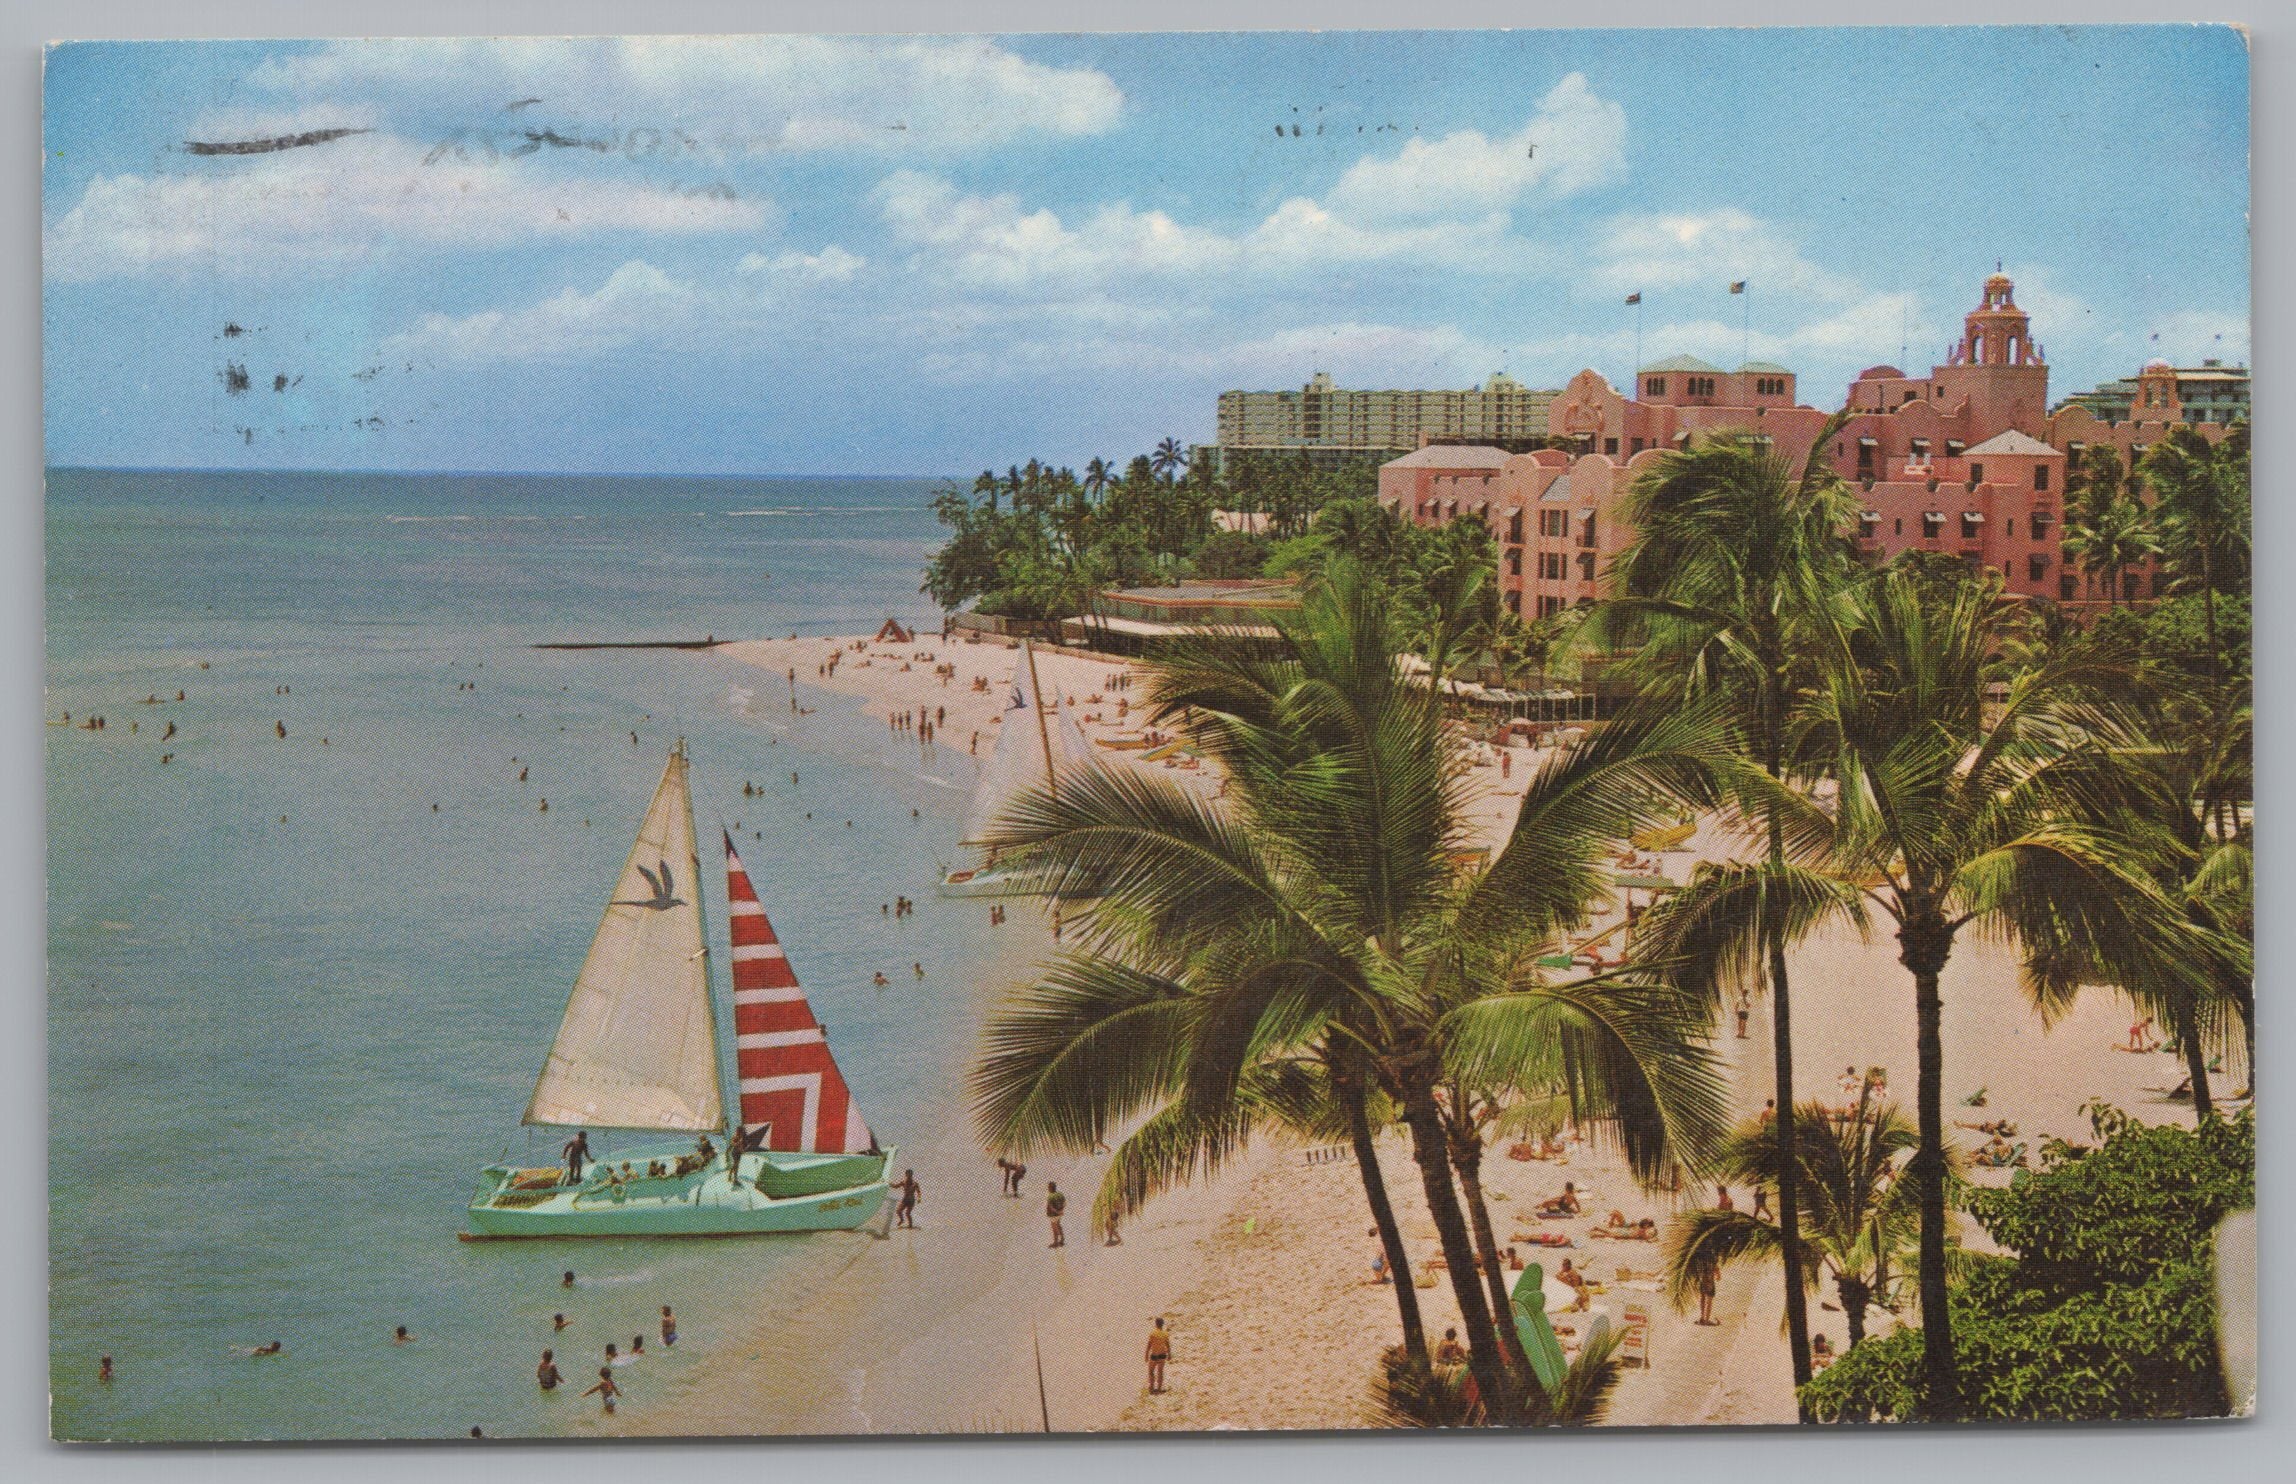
[780, 1192]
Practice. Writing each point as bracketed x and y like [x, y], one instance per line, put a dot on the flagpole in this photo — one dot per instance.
[1746, 323]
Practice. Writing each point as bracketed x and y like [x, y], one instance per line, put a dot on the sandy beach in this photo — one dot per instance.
[1263, 1272]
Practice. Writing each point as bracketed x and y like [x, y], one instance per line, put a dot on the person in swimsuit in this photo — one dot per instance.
[1055, 1206]
[606, 1391]
[905, 1214]
[577, 1153]
[669, 1327]
[546, 1374]
[1159, 1351]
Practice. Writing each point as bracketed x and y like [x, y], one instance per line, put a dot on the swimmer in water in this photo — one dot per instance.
[558, 1322]
[669, 1327]
[605, 1390]
[882, 981]
[918, 970]
[104, 1370]
[274, 1348]
[400, 1336]
[567, 1281]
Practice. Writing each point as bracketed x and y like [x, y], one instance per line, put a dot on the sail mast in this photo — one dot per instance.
[1043, 732]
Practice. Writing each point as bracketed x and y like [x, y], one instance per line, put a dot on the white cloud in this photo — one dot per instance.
[1658, 251]
[995, 241]
[638, 304]
[725, 94]
[636, 301]
[358, 199]
[833, 264]
[2191, 336]
[1573, 143]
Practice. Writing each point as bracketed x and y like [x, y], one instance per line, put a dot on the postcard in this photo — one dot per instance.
[826, 735]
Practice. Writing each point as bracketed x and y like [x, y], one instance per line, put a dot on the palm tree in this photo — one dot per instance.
[1955, 810]
[1735, 551]
[1862, 1221]
[2109, 540]
[2201, 493]
[1168, 457]
[1097, 475]
[1403, 1396]
[1319, 917]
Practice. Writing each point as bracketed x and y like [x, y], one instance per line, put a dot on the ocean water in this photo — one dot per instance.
[293, 1008]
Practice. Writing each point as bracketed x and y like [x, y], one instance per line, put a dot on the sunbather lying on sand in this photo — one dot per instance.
[1566, 1204]
[2000, 1127]
[1645, 1230]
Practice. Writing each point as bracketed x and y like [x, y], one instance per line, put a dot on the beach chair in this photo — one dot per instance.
[1634, 1349]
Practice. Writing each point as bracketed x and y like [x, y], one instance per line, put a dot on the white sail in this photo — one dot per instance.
[638, 1046]
[1032, 748]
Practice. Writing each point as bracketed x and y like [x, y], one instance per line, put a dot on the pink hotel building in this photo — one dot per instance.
[1967, 460]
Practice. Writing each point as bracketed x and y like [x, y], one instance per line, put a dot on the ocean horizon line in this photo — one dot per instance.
[69, 468]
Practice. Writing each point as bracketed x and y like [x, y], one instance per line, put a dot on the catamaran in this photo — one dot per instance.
[1037, 742]
[638, 1051]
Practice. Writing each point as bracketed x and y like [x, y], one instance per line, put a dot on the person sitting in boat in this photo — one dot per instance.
[577, 1153]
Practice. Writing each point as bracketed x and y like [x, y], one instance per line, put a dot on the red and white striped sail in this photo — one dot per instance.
[787, 1077]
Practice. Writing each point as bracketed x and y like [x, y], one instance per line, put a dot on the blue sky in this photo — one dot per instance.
[928, 255]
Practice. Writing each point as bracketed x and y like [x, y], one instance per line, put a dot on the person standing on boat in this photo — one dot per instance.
[577, 1152]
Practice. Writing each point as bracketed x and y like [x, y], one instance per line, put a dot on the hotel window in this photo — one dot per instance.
[1515, 604]
[1586, 566]
[1865, 458]
[1972, 524]
[2041, 522]
[1550, 606]
[1550, 565]
[2009, 526]
[1700, 386]
[2040, 476]
[1515, 528]
[1976, 474]
[1932, 523]
[2068, 587]
[1953, 448]
[1514, 564]
[1921, 448]
[1554, 522]
[2036, 567]
[1586, 530]
[1610, 445]
[1900, 526]
[1635, 448]
[1654, 386]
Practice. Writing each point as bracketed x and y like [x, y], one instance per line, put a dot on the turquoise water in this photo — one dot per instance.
[292, 1009]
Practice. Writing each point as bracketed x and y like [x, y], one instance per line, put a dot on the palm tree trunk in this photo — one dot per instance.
[1467, 1159]
[1925, 941]
[1484, 1358]
[1854, 1299]
[1782, 1069]
[2187, 1027]
[1383, 1217]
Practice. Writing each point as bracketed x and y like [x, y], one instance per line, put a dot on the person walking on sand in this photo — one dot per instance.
[1745, 1008]
[1706, 1295]
[1378, 1257]
[1055, 1206]
[1159, 1351]
[905, 1214]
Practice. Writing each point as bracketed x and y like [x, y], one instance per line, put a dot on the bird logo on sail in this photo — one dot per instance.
[665, 890]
